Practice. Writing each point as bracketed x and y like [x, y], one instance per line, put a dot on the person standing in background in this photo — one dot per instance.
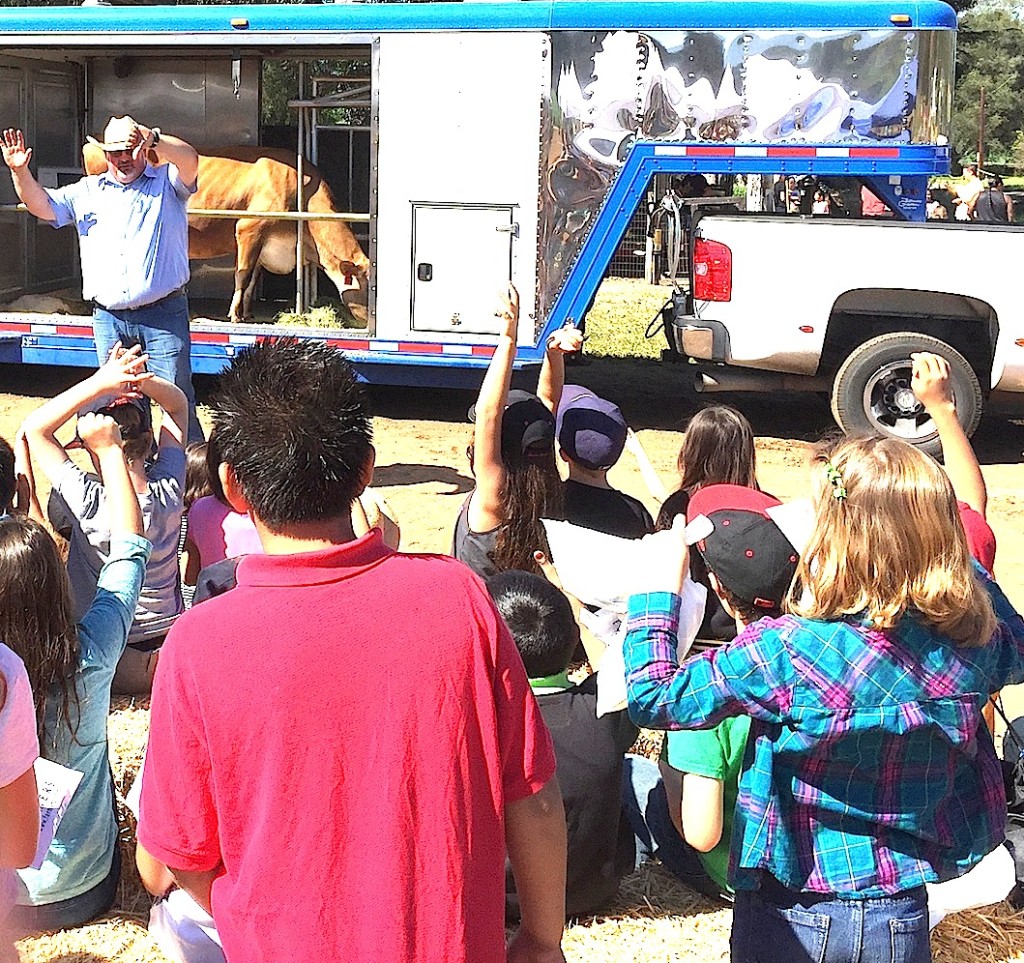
[992, 206]
[133, 241]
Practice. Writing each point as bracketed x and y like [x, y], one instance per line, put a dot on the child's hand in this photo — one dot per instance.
[510, 313]
[565, 340]
[930, 380]
[664, 562]
[123, 372]
[99, 433]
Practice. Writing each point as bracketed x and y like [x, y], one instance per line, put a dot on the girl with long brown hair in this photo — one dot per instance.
[513, 457]
[869, 771]
[717, 449]
[71, 667]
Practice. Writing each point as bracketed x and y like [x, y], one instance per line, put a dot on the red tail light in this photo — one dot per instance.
[712, 271]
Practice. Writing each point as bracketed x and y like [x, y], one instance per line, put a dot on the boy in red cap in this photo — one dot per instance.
[684, 813]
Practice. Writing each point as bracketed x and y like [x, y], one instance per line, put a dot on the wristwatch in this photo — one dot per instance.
[156, 135]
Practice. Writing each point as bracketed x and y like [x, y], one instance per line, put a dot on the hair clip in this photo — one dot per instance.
[836, 480]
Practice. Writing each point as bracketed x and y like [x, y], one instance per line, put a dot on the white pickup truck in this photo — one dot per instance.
[838, 305]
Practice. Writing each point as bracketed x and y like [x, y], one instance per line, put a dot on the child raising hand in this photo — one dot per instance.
[868, 772]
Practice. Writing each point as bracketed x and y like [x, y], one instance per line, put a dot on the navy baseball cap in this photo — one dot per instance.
[741, 544]
[590, 430]
[525, 424]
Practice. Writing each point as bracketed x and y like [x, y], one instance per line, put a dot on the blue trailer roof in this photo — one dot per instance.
[94, 25]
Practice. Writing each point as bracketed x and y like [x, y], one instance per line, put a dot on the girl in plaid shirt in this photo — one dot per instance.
[868, 771]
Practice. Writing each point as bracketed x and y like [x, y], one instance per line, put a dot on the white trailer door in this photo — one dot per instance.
[461, 265]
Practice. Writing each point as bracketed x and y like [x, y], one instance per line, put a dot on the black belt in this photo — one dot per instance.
[179, 292]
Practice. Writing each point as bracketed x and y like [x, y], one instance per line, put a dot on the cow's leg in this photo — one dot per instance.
[249, 240]
[250, 290]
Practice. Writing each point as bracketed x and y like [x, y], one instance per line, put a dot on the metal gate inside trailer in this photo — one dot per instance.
[45, 100]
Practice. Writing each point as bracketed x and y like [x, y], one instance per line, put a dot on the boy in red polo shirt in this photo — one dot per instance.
[343, 746]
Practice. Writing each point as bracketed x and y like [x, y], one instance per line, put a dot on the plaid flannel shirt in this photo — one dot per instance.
[868, 769]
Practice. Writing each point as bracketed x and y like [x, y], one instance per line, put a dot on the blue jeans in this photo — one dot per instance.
[646, 806]
[777, 925]
[162, 330]
[75, 911]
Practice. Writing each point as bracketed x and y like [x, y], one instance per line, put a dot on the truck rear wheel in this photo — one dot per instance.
[872, 391]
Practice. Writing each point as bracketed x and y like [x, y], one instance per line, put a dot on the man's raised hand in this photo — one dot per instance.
[16, 154]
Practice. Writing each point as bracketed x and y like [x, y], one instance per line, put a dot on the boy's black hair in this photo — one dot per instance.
[746, 612]
[7, 481]
[540, 619]
[290, 419]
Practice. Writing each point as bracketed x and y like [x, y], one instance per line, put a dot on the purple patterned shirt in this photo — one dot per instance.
[868, 770]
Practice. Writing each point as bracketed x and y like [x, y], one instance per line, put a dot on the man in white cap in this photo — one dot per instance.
[133, 239]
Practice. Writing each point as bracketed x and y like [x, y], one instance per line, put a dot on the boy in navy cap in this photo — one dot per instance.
[684, 814]
[591, 436]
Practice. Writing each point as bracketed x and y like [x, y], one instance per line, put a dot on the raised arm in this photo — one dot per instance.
[567, 340]
[102, 437]
[747, 676]
[930, 381]
[647, 471]
[535, 836]
[30, 192]
[122, 370]
[488, 468]
[26, 494]
[170, 149]
[174, 404]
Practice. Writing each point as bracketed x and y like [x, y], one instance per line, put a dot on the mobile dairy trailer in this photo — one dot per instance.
[491, 141]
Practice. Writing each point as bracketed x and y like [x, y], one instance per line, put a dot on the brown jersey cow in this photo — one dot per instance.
[263, 179]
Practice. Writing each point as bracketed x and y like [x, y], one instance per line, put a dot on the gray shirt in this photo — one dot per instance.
[77, 509]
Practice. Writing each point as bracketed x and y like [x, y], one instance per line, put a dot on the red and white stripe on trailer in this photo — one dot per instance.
[83, 329]
[357, 344]
[782, 151]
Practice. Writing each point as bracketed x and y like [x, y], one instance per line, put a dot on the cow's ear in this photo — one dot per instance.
[232, 490]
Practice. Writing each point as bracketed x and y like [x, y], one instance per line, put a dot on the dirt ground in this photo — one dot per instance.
[421, 438]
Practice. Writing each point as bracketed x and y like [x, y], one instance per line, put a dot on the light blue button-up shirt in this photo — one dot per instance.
[133, 238]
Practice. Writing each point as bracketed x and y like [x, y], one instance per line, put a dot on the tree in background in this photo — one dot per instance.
[990, 54]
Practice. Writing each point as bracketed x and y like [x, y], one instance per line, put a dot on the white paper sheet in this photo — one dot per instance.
[56, 785]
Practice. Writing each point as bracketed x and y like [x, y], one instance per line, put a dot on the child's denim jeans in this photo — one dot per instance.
[777, 925]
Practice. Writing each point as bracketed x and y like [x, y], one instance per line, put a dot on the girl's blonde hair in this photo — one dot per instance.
[887, 541]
